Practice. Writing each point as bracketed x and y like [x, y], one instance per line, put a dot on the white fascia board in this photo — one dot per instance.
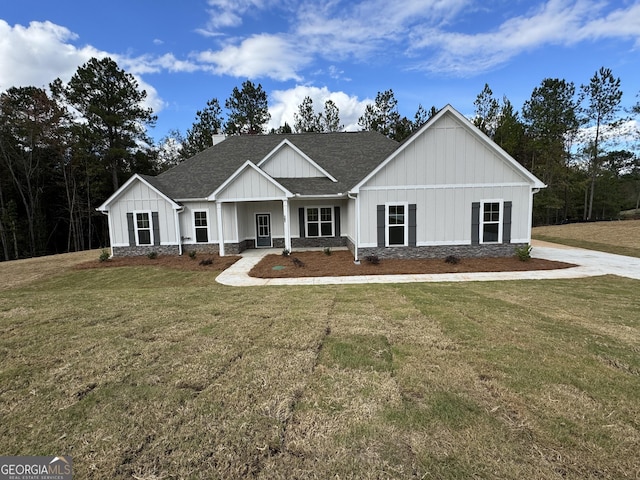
[105, 206]
[443, 186]
[251, 199]
[299, 152]
[337, 196]
[238, 172]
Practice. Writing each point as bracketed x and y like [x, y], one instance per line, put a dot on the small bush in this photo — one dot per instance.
[297, 262]
[192, 254]
[152, 255]
[327, 251]
[286, 252]
[104, 255]
[452, 259]
[372, 259]
[524, 253]
[206, 261]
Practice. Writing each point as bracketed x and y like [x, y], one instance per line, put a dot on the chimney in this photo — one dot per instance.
[216, 138]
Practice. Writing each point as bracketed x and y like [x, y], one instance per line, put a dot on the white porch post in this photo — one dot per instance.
[355, 247]
[287, 225]
[178, 234]
[220, 230]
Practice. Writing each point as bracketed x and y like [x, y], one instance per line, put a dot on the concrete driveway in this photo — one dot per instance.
[589, 263]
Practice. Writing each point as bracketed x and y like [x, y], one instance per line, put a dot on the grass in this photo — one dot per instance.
[622, 238]
[149, 373]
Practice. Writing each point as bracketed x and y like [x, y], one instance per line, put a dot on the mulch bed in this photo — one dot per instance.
[184, 262]
[340, 263]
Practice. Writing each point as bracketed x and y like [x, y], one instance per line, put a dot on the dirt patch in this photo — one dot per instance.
[340, 263]
[183, 262]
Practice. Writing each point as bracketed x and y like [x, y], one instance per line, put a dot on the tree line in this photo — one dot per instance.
[64, 150]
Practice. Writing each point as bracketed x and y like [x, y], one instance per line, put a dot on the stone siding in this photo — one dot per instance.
[441, 251]
[318, 242]
[145, 250]
[206, 248]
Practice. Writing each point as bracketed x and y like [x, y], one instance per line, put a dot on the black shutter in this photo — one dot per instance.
[506, 223]
[412, 225]
[156, 228]
[301, 221]
[132, 231]
[381, 225]
[475, 223]
[336, 212]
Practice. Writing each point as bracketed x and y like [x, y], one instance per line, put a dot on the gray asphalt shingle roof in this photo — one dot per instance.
[347, 156]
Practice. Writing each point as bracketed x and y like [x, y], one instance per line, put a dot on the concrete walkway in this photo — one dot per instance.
[589, 263]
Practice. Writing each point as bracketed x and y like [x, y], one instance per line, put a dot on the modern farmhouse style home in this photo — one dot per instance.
[446, 190]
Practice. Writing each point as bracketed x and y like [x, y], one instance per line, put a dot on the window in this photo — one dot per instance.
[201, 226]
[320, 222]
[397, 225]
[143, 228]
[491, 222]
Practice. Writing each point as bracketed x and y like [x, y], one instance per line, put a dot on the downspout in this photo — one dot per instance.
[356, 260]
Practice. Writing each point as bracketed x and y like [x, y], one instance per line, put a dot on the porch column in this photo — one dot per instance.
[287, 225]
[220, 231]
[357, 229]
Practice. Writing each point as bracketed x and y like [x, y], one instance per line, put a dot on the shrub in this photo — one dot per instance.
[206, 261]
[327, 251]
[192, 254]
[372, 259]
[524, 253]
[286, 252]
[152, 255]
[104, 255]
[452, 259]
[297, 262]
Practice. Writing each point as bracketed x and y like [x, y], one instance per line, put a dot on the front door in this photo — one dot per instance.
[263, 230]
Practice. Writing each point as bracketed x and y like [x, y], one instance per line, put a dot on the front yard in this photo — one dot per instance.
[150, 372]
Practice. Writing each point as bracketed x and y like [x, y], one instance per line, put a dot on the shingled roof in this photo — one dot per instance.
[347, 156]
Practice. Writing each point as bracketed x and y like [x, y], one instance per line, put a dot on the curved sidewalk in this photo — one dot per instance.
[589, 263]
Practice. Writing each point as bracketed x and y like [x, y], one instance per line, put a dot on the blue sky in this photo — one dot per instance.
[430, 52]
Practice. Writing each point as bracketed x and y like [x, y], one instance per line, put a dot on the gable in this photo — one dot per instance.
[249, 183]
[288, 161]
[137, 192]
[449, 151]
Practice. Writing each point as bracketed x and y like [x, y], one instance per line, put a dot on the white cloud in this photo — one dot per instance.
[228, 13]
[284, 103]
[624, 135]
[556, 22]
[260, 55]
[367, 28]
[38, 54]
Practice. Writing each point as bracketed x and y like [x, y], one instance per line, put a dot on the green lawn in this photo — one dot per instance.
[153, 373]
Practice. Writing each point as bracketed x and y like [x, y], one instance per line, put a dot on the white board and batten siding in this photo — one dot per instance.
[140, 197]
[443, 171]
[247, 219]
[288, 163]
[250, 185]
[187, 226]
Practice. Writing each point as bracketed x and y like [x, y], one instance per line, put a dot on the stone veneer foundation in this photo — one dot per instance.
[440, 251]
